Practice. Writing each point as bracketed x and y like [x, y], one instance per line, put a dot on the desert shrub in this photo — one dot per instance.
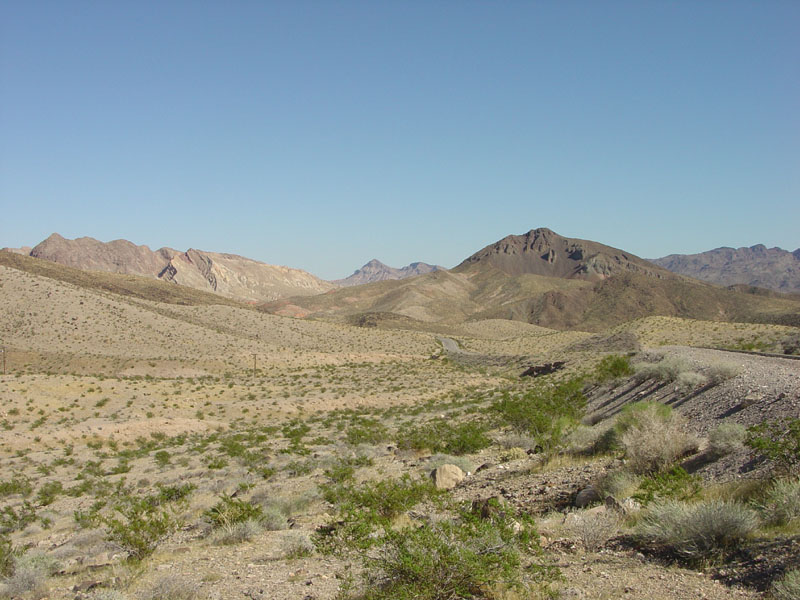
[6, 556]
[437, 460]
[721, 371]
[726, 439]
[598, 439]
[444, 436]
[236, 533]
[781, 503]
[788, 587]
[48, 492]
[30, 574]
[697, 531]
[467, 557]
[366, 431]
[674, 484]
[619, 484]
[139, 524]
[230, 510]
[779, 442]
[689, 380]
[653, 437]
[613, 367]
[666, 369]
[594, 529]
[18, 484]
[364, 509]
[173, 588]
[545, 412]
[297, 545]
[274, 519]
[513, 454]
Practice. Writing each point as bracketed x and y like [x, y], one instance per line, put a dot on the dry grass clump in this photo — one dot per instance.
[591, 440]
[726, 439]
[690, 380]
[30, 574]
[721, 371]
[697, 531]
[667, 368]
[619, 484]
[653, 437]
[236, 533]
[787, 588]
[297, 545]
[782, 502]
[463, 463]
[594, 529]
[173, 587]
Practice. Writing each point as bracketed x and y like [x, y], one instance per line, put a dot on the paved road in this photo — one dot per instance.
[450, 345]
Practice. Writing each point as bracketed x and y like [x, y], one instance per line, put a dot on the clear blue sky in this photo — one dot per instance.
[322, 134]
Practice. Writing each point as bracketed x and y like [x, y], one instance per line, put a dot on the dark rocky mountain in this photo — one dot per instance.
[543, 252]
[544, 279]
[226, 274]
[375, 270]
[771, 268]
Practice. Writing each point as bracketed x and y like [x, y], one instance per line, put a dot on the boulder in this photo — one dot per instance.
[447, 477]
[587, 496]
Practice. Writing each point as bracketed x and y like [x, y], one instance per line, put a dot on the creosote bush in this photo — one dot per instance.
[467, 557]
[779, 442]
[613, 367]
[546, 412]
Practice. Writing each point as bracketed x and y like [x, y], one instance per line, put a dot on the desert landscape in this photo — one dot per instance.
[553, 418]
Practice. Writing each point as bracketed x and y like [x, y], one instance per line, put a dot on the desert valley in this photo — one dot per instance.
[550, 418]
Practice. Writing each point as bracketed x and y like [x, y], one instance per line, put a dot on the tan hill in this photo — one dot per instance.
[547, 280]
[770, 268]
[375, 270]
[225, 274]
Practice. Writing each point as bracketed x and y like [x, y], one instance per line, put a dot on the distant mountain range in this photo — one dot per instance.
[539, 277]
[542, 278]
[375, 270]
[225, 274]
[771, 268]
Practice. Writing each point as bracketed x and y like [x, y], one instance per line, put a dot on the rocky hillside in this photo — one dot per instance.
[226, 274]
[771, 268]
[375, 270]
[548, 280]
[543, 252]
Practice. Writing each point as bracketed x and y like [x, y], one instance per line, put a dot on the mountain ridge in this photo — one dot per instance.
[771, 268]
[375, 270]
[225, 274]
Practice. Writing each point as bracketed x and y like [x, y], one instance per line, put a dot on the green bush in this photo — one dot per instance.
[229, 511]
[674, 484]
[138, 526]
[467, 557]
[445, 436]
[365, 508]
[6, 556]
[613, 367]
[366, 431]
[779, 442]
[697, 531]
[546, 412]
